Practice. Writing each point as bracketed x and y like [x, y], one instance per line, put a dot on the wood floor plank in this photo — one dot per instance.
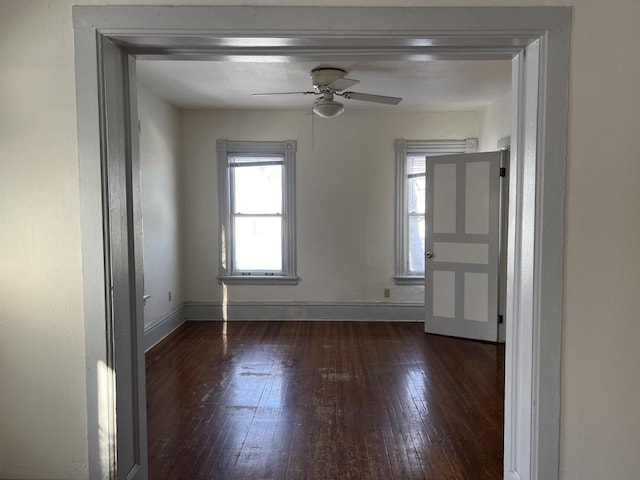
[323, 400]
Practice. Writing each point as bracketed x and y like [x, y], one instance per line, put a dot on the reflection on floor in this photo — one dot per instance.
[323, 400]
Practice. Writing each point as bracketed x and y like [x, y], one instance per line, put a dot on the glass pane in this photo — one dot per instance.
[416, 244]
[416, 182]
[416, 194]
[258, 243]
[416, 164]
[258, 189]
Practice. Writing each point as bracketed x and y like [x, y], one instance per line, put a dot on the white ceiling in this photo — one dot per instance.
[434, 85]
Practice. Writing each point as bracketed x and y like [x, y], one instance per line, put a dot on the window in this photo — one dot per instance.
[411, 175]
[256, 198]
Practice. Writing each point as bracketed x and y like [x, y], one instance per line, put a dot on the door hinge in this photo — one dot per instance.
[503, 172]
[500, 319]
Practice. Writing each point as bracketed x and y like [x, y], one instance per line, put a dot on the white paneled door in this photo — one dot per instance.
[462, 240]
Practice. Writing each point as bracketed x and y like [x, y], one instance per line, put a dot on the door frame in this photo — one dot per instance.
[536, 39]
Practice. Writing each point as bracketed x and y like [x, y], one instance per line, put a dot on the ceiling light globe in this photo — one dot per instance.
[327, 108]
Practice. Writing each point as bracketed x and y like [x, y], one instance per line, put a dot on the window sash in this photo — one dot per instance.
[232, 185]
[255, 269]
[235, 162]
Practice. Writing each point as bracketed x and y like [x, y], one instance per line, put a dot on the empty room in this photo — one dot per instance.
[290, 214]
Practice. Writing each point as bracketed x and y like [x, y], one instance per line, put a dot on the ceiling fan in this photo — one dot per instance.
[329, 82]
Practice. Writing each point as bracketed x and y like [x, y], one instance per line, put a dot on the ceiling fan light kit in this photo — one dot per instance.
[328, 82]
[327, 108]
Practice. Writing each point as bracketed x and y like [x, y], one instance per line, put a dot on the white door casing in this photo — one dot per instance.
[461, 245]
[536, 38]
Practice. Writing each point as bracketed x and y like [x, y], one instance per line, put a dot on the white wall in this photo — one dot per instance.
[160, 172]
[495, 123]
[600, 421]
[43, 430]
[345, 191]
[42, 404]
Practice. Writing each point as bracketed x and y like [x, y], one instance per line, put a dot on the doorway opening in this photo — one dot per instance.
[359, 141]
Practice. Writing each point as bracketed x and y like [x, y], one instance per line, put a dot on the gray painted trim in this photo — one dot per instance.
[454, 237]
[549, 251]
[516, 423]
[504, 143]
[408, 280]
[433, 147]
[93, 245]
[364, 311]
[485, 29]
[139, 394]
[158, 330]
[257, 280]
[320, 34]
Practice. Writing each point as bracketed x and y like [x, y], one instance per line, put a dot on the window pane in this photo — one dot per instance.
[416, 194]
[258, 189]
[416, 164]
[416, 244]
[257, 243]
[416, 182]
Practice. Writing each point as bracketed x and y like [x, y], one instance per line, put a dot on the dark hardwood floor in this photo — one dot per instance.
[323, 400]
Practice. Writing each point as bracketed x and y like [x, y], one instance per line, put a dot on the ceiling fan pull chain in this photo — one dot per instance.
[313, 131]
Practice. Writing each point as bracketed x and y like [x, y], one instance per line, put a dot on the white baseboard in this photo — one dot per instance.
[158, 330]
[306, 311]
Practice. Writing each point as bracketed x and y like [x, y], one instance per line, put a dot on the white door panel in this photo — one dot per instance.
[462, 222]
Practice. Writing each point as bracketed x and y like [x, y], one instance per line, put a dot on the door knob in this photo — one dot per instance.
[429, 254]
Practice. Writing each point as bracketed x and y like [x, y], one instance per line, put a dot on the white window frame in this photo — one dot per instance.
[226, 272]
[404, 148]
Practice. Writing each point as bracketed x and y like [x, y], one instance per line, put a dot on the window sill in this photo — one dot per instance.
[257, 280]
[406, 280]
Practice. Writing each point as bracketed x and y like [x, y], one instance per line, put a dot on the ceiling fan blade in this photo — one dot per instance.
[284, 93]
[342, 83]
[367, 97]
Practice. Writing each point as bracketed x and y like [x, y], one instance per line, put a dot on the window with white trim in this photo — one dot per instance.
[411, 175]
[256, 202]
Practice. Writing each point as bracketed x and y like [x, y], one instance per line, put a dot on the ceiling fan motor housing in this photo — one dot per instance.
[323, 77]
